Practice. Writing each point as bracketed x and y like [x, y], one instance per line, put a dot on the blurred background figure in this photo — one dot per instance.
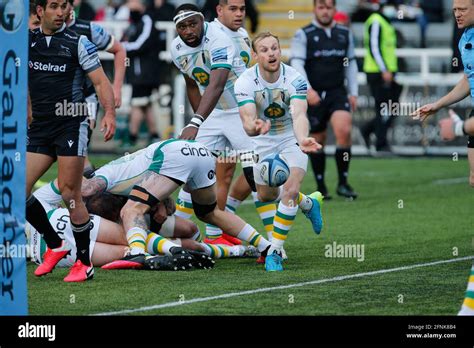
[380, 65]
[161, 10]
[323, 52]
[83, 10]
[342, 18]
[113, 10]
[141, 41]
[33, 19]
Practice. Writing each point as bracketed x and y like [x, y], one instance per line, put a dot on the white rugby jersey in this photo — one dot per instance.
[215, 51]
[272, 99]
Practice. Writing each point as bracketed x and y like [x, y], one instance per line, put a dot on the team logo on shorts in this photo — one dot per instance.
[201, 76]
[274, 111]
[211, 174]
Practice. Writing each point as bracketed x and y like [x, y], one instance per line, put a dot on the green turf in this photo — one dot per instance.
[401, 218]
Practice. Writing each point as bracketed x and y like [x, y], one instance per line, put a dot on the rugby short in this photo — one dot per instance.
[331, 101]
[287, 147]
[223, 133]
[61, 136]
[142, 95]
[185, 162]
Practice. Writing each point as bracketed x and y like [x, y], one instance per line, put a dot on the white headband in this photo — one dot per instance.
[185, 15]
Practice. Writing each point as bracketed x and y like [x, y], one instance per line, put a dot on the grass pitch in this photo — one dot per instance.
[410, 211]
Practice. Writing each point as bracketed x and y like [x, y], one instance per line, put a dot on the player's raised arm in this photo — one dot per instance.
[298, 109]
[207, 103]
[458, 93]
[248, 109]
[90, 63]
[106, 97]
[252, 125]
[192, 90]
[217, 80]
[119, 70]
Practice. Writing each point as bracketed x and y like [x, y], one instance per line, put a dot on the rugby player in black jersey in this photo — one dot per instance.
[59, 61]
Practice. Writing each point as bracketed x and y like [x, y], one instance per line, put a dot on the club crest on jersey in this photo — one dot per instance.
[274, 111]
[245, 57]
[65, 52]
[201, 76]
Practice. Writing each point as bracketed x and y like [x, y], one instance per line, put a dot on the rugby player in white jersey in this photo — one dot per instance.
[272, 103]
[211, 56]
[179, 162]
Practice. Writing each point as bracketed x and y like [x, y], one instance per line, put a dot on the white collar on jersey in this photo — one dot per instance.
[223, 26]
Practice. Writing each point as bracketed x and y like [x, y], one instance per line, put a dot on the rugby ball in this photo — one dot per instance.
[273, 170]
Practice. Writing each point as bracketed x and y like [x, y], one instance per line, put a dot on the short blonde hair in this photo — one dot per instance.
[262, 36]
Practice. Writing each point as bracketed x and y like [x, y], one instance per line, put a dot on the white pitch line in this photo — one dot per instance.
[281, 287]
[451, 181]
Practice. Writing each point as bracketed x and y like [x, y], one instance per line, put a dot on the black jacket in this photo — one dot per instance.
[141, 41]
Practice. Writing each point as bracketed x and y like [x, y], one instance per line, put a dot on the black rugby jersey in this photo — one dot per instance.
[98, 36]
[325, 56]
[58, 65]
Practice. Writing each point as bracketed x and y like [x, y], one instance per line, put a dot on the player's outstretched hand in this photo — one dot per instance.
[262, 127]
[310, 145]
[107, 126]
[425, 111]
[188, 133]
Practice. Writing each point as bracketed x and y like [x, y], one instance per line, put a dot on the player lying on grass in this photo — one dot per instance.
[272, 105]
[108, 241]
[175, 163]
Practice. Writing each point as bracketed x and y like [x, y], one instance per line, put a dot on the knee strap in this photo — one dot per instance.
[141, 195]
[201, 210]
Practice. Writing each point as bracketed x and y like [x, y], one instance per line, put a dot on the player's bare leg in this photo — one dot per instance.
[151, 124]
[69, 183]
[151, 189]
[205, 209]
[36, 165]
[470, 155]
[136, 117]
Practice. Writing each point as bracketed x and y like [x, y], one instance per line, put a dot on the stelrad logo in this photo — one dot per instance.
[47, 67]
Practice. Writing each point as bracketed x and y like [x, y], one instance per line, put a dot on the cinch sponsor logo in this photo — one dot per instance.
[47, 67]
[193, 151]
